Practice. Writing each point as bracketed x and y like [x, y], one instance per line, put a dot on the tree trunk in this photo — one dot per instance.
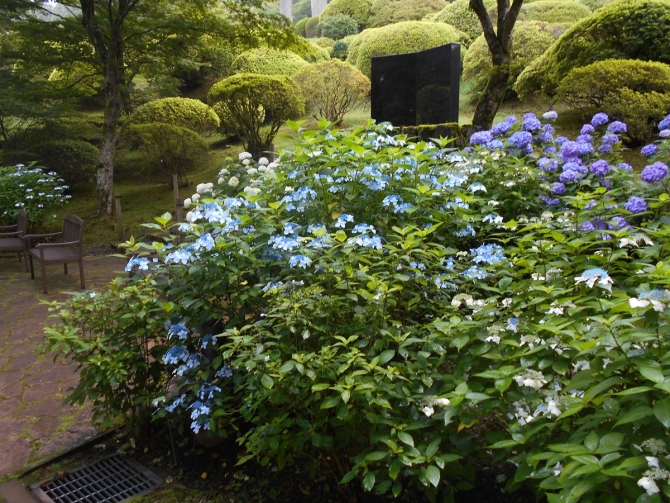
[489, 103]
[105, 175]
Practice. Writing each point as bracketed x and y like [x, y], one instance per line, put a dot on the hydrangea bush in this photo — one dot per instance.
[398, 313]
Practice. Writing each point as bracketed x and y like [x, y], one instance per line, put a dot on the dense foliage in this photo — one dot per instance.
[255, 106]
[31, 188]
[398, 313]
[168, 149]
[300, 26]
[340, 49]
[74, 160]
[530, 40]
[338, 26]
[332, 88]
[180, 112]
[629, 29]
[356, 9]
[554, 11]
[311, 26]
[459, 15]
[268, 61]
[385, 12]
[399, 38]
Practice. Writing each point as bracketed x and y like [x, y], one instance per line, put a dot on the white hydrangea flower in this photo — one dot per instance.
[648, 485]
[263, 161]
[442, 402]
[234, 181]
[201, 188]
[428, 411]
[195, 197]
[187, 203]
[244, 156]
[252, 171]
[653, 461]
[246, 162]
[221, 181]
[531, 378]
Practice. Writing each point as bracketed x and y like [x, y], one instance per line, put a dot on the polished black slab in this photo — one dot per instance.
[417, 88]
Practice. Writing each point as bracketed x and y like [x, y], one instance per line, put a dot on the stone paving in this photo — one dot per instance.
[34, 423]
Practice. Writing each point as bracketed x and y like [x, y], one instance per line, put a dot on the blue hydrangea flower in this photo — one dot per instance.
[617, 127]
[176, 355]
[558, 189]
[140, 262]
[550, 115]
[520, 139]
[605, 148]
[291, 228]
[545, 137]
[481, 138]
[595, 276]
[649, 150]
[625, 166]
[600, 119]
[224, 372]
[550, 201]
[531, 124]
[495, 145]
[474, 273]
[587, 129]
[489, 254]
[366, 241]
[180, 257]
[560, 140]
[665, 133]
[363, 228]
[501, 128]
[299, 261]
[279, 242]
[617, 223]
[547, 164]
[665, 123]
[204, 242]
[654, 172]
[610, 139]
[569, 149]
[549, 149]
[179, 330]
[636, 205]
[567, 176]
[511, 119]
[584, 138]
[342, 220]
[585, 148]
[600, 168]
[467, 231]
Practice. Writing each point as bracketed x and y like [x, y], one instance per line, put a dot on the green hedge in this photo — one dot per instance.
[628, 29]
[268, 61]
[459, 15]
[400, 38]
[356, 9]
[340, 50]
[384, 12]
[182, 112]
[302, 10]
[311, 26]
[596, 4]
[640, 111]
[337, 27]
[300, 26]
[74, 160]
[554, 11]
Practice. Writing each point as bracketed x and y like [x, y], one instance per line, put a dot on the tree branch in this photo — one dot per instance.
[489, 33]
[510, 19]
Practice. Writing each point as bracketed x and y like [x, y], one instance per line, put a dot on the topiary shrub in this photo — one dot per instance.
[323, 42]
[181, 112]
[595, 4]
[641, 111]
[628, 29]
[359, 10]
[340, 50]
[308, 51]
[530, 40]
[459, 15]
[332, 88]
[247, 102]
[169, 149]
[268, 61]
[384, 12]
[400, 38]
[300, 27]
[554, 11]
[302, 9]
[311, 27]
[338, 26]
[74, 160]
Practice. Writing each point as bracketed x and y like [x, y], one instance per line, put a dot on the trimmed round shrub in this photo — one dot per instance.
[340, 50]
[591, 85]
[628, 29]
[323, 42]
[530, 40]
[268, 61]
[169, 149]
[300, 27]
[554, 11]
[359, 10]
[302, 9]
[641, 111]
[181, 112]
[332, 88]
[246, 102]
[337, 27]
[459, 15]
[311, 27]
[595, 4]
[309, 52]
[74, 160]
[386, 12]
[401, 38]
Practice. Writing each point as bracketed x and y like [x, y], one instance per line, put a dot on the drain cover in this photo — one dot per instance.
[113, 479]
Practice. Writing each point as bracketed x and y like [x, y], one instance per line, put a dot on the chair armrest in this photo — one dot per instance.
[9, 234]
[13, 226]
[56, 245]
[27, 238]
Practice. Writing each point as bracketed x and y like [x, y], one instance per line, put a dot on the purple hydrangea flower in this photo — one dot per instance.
[569, 150]
[467, 150]
[600, 119]
[567, 176]
[577, 167]
[550, 115]
[560, 140]
[649, 150]
[617, 223]
[481, 138]
[521, 139]
[495, 144]
[617, 127]
[550, 149]
[636, 205]
[511, 120]
[585, 148]
[592, 204]
[587, 129]
[558, 189]
[545, 137]
[529, 115]
[531, 124]
[528, 149]
[600, 168]
[606, 183]
[609, 139]
[625, 166]
[501, 128]
[548, 128]
[547, 164]
[605, 148]
[665, 123]
[584, 138]
[665, 133]
[654, 172]
[551, 201]
[587, 226]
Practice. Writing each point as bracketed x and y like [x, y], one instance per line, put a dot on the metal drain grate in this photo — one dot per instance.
[113, 479]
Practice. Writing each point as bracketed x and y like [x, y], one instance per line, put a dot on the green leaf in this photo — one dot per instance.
[432, 448]
[267, 381]
[348, 478]
[346, 394]
[460, 341]
[394, 469]
[386, 356]
[662, 412]
[591, 441]
[320, 386]
[376, 456]
[406, 438]
[652, 373]
[369, 481]
[330, 402]
[635, 415]
[397, 488]
[634, 391]
[433, 475]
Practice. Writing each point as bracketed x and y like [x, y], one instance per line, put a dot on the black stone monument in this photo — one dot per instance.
[417, 88]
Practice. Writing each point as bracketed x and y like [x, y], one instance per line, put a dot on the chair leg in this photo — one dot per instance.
[44, 276]
[65, 269]
[32, 268]
[81, 273]
[25, 259]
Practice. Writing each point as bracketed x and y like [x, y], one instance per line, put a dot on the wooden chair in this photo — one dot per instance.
[12, 241]
[68, 251]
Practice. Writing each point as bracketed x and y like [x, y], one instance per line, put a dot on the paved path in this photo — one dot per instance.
[34, 423]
